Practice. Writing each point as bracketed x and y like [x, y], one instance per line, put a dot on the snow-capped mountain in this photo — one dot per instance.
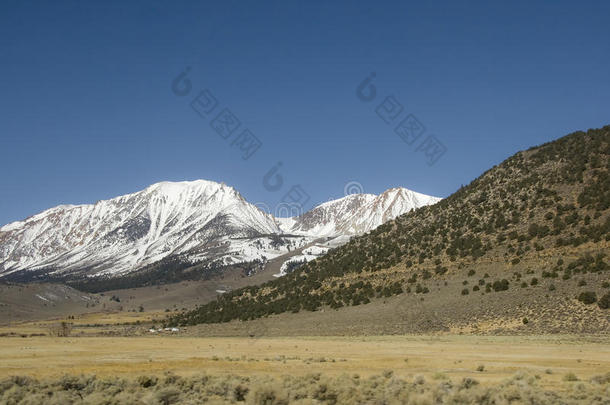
[356, 213]
[348, 216]
[131, 231]
[196, 221]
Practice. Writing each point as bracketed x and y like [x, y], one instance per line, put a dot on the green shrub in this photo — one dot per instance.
[468, 383]
[500, 285]
[587, 297]
[601, 379]
[267, 394]
[168, 396]
[146, 381]
[570, 377]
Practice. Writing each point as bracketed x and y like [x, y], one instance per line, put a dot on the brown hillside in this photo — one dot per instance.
[529, 236]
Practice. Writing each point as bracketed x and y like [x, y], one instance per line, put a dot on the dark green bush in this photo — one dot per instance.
[587, 297]
[500, 285]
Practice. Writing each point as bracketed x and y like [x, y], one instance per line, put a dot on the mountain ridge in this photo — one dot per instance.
[195, 220]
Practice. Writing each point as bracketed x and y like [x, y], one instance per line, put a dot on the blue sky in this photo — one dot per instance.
[88, 111]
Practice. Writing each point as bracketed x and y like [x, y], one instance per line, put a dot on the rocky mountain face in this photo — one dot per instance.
[195, 221]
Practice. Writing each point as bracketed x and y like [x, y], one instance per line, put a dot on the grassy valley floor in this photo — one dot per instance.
[165, 369]
[487, 358]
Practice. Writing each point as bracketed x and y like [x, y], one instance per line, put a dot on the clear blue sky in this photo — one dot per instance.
[87, 110]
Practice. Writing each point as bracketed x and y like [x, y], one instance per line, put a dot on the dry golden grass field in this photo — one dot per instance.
[488, 359]
[132, 365]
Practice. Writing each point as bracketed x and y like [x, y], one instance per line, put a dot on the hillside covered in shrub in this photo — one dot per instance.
[542, 213]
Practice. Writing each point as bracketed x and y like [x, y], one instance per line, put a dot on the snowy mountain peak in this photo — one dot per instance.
[349, 199]
[130, 231]
[197, 220]
[356, 213]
